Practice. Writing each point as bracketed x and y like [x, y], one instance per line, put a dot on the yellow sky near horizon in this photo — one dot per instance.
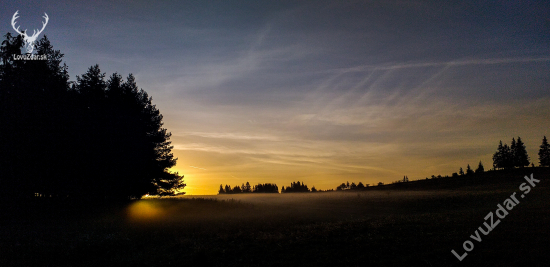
[322, 92]
[414, 140]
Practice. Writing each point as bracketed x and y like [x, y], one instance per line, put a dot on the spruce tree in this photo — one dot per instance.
[35, 125]
[503, 158]
[513, 156]
[544, 153]
[480, 168]
[508, 158]
[498, 157]
[521, 159]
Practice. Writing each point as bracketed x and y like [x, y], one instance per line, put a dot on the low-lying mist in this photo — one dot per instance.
[290, 207]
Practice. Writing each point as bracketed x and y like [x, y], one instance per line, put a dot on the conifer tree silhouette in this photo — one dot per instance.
[91, 137]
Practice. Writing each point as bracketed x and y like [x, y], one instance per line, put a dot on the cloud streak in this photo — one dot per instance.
[322, 92]
[197, 168]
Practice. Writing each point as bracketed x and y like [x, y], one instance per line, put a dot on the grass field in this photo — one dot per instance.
[392, 227]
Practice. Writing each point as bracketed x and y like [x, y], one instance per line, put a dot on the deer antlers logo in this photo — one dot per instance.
[29, 40]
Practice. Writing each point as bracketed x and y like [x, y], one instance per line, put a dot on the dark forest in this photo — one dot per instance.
[93, 137]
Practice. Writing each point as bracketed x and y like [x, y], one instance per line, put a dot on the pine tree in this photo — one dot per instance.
[221, 191]
[498, 156]
[513, 156]
[92, 85]
[125, 138]
[504, 156]
[57, 75]
[460, 172]
[508, 157]
[154, 139]
[35, 130]
[480, 168]
[521, 159]
[544, 153]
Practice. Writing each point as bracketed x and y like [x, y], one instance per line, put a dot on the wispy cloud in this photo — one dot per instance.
[365, 91]
[459, 62]
[233, 136]
[197, 168]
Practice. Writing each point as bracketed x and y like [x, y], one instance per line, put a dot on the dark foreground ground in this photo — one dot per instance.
[397, 227]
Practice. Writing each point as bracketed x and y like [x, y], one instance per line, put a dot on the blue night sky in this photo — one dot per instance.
[319, 91]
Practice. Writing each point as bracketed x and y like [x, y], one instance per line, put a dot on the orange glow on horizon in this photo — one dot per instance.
[416, 140]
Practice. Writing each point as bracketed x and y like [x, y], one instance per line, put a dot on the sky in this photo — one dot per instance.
[322, 92]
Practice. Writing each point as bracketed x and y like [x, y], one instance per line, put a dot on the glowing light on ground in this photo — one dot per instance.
[145, 210]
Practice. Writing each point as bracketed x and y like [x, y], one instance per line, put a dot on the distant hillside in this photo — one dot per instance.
[498, 179]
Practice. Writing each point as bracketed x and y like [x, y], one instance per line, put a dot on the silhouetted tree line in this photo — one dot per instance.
[91, 137]
[296, 187]
[259, 188]
[509, 157]
[506, 157]
[352, 186]
[469, 171]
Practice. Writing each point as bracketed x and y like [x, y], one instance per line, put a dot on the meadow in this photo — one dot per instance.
[392, 227]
